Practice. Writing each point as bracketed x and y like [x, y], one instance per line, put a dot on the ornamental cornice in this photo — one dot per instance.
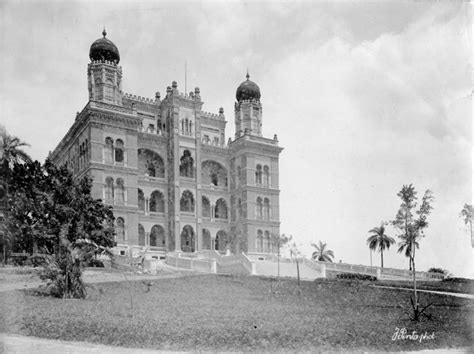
[150, 140]
[209, 151]
[115, 119]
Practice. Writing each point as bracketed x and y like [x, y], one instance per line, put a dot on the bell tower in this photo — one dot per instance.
[103, 73]
[248, 109]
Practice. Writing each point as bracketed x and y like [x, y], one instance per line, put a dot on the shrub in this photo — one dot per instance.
[437, 270]
[458, 280]
[95, 263]
[356, 276]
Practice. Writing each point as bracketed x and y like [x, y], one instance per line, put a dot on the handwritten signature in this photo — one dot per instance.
[402, 334]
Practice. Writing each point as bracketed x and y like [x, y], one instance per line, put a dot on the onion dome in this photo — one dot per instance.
[248, 90]
[104, 49]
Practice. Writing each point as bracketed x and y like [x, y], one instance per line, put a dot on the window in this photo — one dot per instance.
[266, 176]
[120, 229]
[266, 209]
[266, 245]
[221, 209]
[119, 150]
[239, 208]
[259, 210]
[206, 207]
[187, 202]
[141, 235]
[141, 200]
[109, 150]
[150, 163]
[151, 128]
[157, 236]
[206, 139]
[259, 241]
[258, 175]
[186, 168]
[109, 189]
[157, 202]
[120, 193]
[109, 90]
[215, 141]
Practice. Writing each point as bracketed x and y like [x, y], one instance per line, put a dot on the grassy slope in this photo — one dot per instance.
[456, 287]
[237, 313]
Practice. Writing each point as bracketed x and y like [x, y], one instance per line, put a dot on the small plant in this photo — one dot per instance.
[416, 312]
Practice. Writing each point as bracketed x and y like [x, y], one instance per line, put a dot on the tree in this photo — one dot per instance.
[280, 241]
[467, 214]
[380, 240]
[50, 210]
[411, 223]
[295, 252]
[405, 246]
[322, 254]
[10, 151]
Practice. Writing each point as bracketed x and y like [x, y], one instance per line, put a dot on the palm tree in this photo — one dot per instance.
[322, 253]
[379, 240]
[10, 151]
[405, 246]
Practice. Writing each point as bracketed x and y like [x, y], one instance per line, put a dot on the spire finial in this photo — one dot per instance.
[104, 32]
[247, 76]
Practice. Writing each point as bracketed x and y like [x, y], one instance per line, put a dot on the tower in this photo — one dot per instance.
[103, 73]
[254, 167]
[248, 109]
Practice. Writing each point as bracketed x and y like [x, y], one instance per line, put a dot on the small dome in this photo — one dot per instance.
[104, 49]
[248, 90]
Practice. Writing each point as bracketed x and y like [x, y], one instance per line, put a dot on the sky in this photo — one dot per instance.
[364, 97]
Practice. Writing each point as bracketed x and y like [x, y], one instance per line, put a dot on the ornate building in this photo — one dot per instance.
[165, 166]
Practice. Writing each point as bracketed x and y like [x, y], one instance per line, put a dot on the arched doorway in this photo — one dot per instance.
[187, 239]
[157, 236]
[221, 241]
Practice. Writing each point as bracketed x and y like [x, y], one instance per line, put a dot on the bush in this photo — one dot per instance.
[356, 276]
[437, 270]
[95, 263]
[458, 280]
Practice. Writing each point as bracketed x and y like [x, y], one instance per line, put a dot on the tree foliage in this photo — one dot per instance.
[467, 214]
[379, 240]
[322, 253]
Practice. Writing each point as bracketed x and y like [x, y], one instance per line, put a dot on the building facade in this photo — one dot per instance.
[164, 165]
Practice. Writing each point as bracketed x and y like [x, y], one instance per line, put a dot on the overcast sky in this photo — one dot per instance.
[365, 97]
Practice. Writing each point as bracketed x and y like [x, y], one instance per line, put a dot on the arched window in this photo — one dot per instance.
[258, 175]
[214, 173]
[120, 229]
[157, 202]
[109, 90]
[266, 176]
[150, 163]
[206, 239]
[259, 241]
[157, 236]
[266, 245]
[119, 150]
[266, 209]
[109, 189]
[239, 175]
[221, 209]
[120, 193]
[109, 150]
[206, 207]
[239, 208]
[186, 168]
[187, 239]
[141, 235]
[141, 200]
[98, 89]
[259, 210]
[187, 202]
[221, 241]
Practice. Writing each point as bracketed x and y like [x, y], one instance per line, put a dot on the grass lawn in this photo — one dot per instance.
[215, 312]
[455, 287]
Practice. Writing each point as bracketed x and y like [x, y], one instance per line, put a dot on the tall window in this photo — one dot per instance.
[206, 207]
[141, 200]
[266, 209]
[266, 176]
[221, 209]
[259, 241]
[266, 245]
[141, 235]
[157, 202]
[259, 210]
[239, 208]
[187, 202]
[109, 150]
[109, 189]
[157, 236]
[119, 150]
[120, 193]
[186, 168]
[109, 90]
[258, 175]
[150, 163]
[120, 229]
